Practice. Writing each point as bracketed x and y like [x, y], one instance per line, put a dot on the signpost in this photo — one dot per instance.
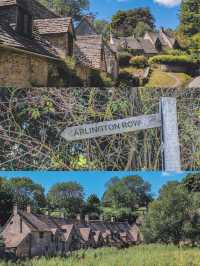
[166, 119]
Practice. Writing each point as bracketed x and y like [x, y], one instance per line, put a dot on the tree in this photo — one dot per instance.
[190, 17]
[102, 27]
[6, 201]
[67, 197]
[92, 205]
[166, 217]
[192, 182]
[125, 22]
[25, 192]
[141, 28]
[73, 8]
[124, 197]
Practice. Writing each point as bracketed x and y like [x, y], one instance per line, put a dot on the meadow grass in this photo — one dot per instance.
[144, 255]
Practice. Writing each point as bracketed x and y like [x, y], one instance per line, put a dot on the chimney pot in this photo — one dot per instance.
[28, 209]
[78, 217]
[101, 217]
[87, 218]
[15, 209]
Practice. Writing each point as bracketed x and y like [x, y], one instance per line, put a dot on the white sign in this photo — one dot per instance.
[112, 127]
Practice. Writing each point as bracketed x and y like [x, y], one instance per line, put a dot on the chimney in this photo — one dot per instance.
[28, 209]
[15, 209]
[112, 219]
[101, 218]
[87, 218]
[78, 217]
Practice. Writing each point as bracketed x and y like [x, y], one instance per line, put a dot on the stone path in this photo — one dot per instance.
[195, 83]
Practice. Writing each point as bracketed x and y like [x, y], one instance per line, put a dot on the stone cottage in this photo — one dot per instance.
[93, 52]
[59, 32]
[151, 44]
[25, 58]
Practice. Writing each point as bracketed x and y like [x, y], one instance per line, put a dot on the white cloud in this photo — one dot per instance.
[169, 3]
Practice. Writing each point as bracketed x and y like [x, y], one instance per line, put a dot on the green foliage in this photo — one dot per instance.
[72, 8]
[192, 182]
[194, 47]
[125, 22]
[92, 206]
[124, 58]
[66, 196]
[190, 17]
[123, 197]
[139, 61]
[167, 215]
[127, 79]
[142, 255]
[141, 28]
[102, 27]
[100, 79]
[172, 59]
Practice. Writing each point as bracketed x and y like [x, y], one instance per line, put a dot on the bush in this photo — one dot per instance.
[171, 59]
[139, 61]
[127, 79]
[124, 59]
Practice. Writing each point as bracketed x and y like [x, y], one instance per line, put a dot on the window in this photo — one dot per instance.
[41, 235]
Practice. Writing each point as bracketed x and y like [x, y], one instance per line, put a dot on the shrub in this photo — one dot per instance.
[127, 79]
[124, 59]
[171, 59]
[100, 79]
[139, 61]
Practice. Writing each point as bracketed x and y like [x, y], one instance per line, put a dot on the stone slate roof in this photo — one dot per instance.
[34, 222]
[10, 38]
[147, 46]
[88, 51]
[53, 26]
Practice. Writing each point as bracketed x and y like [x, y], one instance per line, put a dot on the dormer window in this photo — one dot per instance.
[24, 22]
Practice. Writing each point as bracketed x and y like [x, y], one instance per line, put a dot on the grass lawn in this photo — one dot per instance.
[134, 71]
[147, 255]
[165, 79]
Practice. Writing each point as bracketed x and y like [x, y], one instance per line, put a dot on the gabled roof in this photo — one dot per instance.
[97, 236]
[53, 26]
[10, 38]
[147, 46]
[88, 51]
[33, 222]
[85, 233]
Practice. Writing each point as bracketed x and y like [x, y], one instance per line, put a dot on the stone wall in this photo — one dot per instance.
[22, 70]
[60, 42]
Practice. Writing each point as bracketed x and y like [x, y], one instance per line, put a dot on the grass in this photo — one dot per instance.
[144, 255]
[134, 71]
[163, 79]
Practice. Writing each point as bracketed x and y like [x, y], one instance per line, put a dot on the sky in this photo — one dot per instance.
[94, 182]
[164, 11]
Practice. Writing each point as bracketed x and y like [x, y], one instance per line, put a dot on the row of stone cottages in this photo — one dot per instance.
[34, 41]
[27, 234]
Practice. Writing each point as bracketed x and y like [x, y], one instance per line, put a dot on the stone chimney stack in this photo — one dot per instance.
[87, 218]
[15, 209]
[101, 218]
[78, 217]
[28, 209]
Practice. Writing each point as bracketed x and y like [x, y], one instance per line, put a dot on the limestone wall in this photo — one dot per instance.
[22, 70]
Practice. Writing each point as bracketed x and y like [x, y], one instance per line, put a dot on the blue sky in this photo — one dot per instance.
[164, 11]
[93, 182]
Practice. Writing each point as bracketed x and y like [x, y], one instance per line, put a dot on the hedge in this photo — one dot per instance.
[139, 61]
[124, 59]
[171, 59]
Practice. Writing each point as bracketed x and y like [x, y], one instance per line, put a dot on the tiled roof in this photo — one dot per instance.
[148, 47]
[33, 222]
[10, 38]
[7, 2]
[54, 25]
[88, 51]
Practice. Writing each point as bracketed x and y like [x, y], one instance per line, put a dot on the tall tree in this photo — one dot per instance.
[167, 215]
[125, 22]
[25, 191]
[126, 195]
[102, 27]
[73, 8]
[67, 197]
[192, 182]
[190, 17]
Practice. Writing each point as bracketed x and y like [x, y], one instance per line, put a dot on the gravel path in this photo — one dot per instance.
[176, 79]
[195, 83]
